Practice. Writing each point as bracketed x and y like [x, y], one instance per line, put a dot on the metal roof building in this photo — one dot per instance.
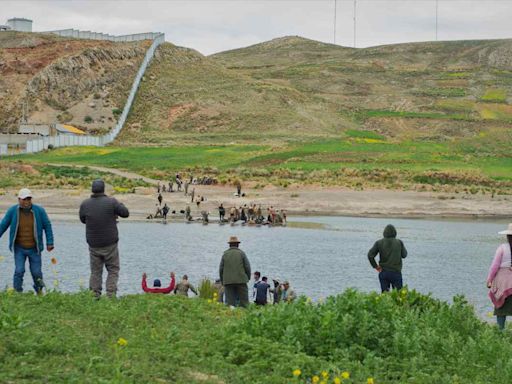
[20, 24]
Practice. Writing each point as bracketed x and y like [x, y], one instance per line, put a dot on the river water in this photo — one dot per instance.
[445, 258]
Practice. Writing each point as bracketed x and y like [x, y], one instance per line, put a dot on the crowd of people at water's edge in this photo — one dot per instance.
[27, 222]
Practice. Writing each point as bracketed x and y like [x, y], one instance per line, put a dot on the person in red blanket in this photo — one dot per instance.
[157, 285]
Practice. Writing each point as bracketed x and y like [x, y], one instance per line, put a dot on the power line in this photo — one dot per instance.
[437, 16]
[335, 1]
[355, 9]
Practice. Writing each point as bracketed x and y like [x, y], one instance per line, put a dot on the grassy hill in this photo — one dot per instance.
[293, 110]
[187, 98]
[295, 89]
[402, 337]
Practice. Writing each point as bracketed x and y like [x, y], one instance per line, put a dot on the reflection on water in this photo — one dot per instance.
[445, 257]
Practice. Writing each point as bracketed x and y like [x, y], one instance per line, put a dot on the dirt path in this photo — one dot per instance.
[128, 175]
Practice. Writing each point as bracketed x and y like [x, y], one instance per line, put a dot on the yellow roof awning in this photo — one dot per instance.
[72, 129]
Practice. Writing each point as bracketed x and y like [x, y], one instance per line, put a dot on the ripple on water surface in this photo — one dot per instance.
[320, 256]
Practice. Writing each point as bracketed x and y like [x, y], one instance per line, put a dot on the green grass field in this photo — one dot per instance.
[402, 337]
[360, 158]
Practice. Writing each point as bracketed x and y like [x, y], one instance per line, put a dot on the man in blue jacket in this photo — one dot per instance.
[27, 222]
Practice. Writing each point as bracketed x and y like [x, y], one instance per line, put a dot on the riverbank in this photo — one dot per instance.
[63, 204]
[362, 338]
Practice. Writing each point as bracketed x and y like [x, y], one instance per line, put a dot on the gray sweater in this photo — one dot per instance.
[99, 214]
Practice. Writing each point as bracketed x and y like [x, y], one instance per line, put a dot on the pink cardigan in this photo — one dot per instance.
[501, 260]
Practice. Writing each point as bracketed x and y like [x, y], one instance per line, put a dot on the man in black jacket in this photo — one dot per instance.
[99, 214]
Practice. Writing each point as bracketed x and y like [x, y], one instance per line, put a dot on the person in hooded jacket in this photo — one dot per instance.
[391, 251]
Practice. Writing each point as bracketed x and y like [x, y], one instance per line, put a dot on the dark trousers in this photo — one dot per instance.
[236, 295]
[390, 279]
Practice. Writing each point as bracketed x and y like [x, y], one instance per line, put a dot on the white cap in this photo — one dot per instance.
[24, 193]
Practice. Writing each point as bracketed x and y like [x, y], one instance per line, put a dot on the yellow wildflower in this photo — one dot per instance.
[210, 301]
[10, 291]
[490, 314]
[315, 379]
[370, 380]
[297, 372]
[325, 375]
[56, 284]
[345, 375]
[122, 342]
[337, 380]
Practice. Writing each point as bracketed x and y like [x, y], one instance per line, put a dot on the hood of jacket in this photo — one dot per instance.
[389, 231]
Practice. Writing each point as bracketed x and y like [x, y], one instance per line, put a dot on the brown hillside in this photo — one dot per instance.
[65, 80]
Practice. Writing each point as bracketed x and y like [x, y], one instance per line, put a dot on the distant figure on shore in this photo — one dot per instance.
[287, 293]
[184, 286]
[238, 186]
[391, 251]
[188, 215]
[235, 272]
[257, 279]
[262, 290]
[165, 211]
[499, 280]
[219, 288]
[276, 291]
[192, 195]
[222, 213]
[157, 285]
[160, 198]
[99, 213]
[27, 222]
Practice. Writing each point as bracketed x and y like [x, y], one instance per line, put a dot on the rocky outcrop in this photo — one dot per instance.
[71, 79]
[45, 75]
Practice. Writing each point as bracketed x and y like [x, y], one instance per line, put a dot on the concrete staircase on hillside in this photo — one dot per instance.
[41, 144]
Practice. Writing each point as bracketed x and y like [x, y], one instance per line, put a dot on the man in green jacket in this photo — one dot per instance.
[235, 272]
[391, 252]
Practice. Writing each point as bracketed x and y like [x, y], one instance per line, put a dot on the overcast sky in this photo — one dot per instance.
[217, 25]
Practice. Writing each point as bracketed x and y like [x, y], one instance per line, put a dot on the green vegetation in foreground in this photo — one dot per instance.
[402, 337]
[481, 164]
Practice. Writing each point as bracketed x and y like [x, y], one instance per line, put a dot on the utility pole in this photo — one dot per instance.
[355, 9]
[335, 1]
[437, 16]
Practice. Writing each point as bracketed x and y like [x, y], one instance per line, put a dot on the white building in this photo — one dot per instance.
[20, 24]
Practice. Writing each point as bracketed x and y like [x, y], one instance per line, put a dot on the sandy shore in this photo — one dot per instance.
[63, 204]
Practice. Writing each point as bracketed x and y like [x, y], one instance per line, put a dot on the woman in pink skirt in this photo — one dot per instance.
[499, 280]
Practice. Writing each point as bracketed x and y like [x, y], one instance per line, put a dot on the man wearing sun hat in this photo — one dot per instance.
[235, 272]
[27, 222]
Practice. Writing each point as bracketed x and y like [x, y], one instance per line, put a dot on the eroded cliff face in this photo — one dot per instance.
[80, 82]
